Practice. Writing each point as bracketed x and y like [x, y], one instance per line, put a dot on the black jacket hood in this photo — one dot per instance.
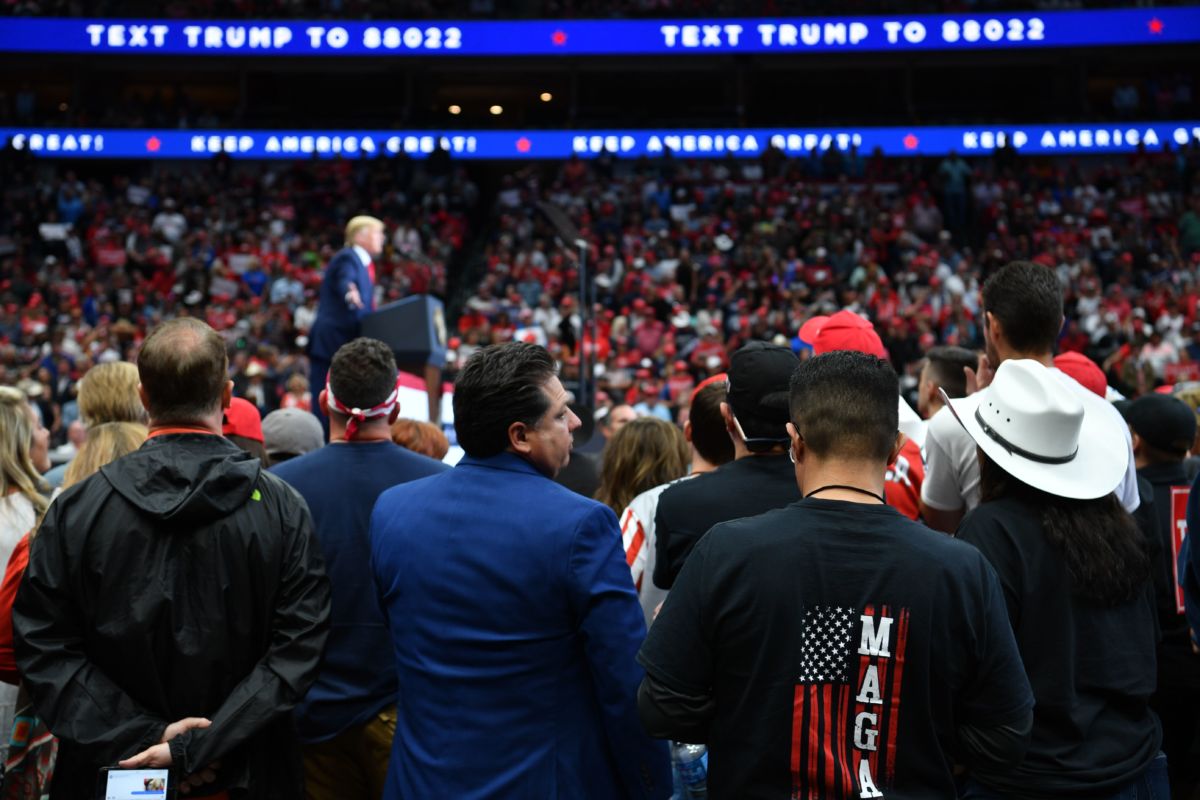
[207, 480]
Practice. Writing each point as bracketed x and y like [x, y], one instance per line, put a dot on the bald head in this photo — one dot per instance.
[183, 369]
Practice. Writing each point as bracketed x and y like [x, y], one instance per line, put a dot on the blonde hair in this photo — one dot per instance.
[645, 453]
[420, 437]
[105, 444]
[17, 472]
[357, 224]
[1191, 396]
[109, 393]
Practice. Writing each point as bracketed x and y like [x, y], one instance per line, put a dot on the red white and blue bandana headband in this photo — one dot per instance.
[360, 415]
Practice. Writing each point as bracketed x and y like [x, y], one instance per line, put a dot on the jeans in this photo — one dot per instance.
[1150, 785]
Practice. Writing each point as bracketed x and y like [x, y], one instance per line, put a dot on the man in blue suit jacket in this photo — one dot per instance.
[511, 608]
[347, 295]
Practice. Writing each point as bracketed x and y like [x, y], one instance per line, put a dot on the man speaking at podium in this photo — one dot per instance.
[347, 294]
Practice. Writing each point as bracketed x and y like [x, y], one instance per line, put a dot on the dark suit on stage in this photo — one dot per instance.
[337, 321]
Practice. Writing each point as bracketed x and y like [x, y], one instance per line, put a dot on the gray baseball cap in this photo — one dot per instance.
[290, 430]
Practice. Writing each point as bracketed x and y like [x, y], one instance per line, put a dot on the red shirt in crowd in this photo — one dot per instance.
[902, 484]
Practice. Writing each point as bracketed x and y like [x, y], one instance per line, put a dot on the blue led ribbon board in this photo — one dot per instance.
[1124, 137]
[998, 31]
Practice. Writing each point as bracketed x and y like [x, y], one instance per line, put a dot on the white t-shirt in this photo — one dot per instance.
[171, 224]
[952, 469]
[637, 537]
[911, 424]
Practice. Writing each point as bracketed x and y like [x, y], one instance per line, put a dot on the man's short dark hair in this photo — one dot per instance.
[1027, 299]
[362, 373]
[946, 364]
[183, 367]
[709, 435]
[498, 386]
[845, 403]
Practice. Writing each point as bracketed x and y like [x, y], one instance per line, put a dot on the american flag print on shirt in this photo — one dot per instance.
[633, 538]
[846, 705]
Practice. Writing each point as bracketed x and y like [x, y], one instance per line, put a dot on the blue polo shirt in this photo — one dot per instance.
[341, 482]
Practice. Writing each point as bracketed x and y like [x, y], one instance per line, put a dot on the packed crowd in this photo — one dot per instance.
[88, 264]
[692, 259]
[859, 518]
[753, 587]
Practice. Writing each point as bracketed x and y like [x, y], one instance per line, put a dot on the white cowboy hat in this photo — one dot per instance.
[1034, 428]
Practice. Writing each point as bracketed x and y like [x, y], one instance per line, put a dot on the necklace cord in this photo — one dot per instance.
[827, 487]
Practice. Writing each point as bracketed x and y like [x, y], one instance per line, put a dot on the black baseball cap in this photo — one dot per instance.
[759, 377]
[1166, 423]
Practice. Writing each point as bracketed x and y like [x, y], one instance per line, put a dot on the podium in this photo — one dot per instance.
[415, 329]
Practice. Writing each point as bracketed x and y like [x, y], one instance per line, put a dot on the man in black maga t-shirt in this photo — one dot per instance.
[834, 648]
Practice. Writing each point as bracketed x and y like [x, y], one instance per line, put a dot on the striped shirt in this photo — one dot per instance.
[637, 536]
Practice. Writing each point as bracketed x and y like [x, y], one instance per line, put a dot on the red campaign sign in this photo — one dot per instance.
[1179, 498]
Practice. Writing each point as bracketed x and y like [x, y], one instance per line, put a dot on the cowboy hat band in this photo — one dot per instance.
[1018, 451]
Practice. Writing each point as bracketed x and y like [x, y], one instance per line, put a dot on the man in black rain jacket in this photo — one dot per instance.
[175, 607]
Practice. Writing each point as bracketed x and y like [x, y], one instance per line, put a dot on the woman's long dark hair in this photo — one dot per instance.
[1106, 553]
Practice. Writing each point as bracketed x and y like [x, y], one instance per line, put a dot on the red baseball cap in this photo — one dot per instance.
[846, 330]
[811, 327]
[242, 419]
[1085, 372]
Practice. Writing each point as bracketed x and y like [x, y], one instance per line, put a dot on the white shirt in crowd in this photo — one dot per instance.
[171, 224]
[637, 536]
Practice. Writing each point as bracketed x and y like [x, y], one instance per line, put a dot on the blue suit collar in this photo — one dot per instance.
[509, 462]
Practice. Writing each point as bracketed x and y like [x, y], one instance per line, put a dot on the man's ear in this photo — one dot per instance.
[323, 402]
[994, 326]
[518, 438]
[227, 395]
[687, 431]
[1137, 441]
[896, 446]
[393, 415]
[932, 390]
[727, 415]
[796, 443]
